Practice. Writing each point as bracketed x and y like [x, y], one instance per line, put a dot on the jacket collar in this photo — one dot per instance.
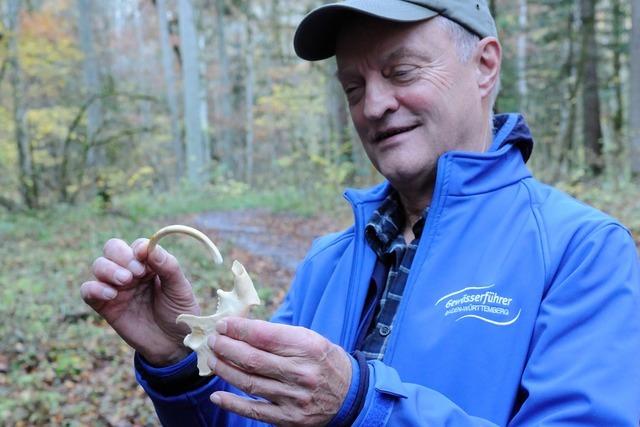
[463, 173]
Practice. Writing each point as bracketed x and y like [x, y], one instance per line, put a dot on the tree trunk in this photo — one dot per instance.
[634, 78]
[338, 114]
[225, 101]
[170, 85]
[591, 129]
[565, 150]
[523, 90]
[26, 174]
[91, 81]
[204, 101]
[142, 67]
[196, 166]
[618, 114]
[250, 46]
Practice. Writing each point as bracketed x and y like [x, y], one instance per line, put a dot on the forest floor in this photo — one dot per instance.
[78, 372]
[60, 364]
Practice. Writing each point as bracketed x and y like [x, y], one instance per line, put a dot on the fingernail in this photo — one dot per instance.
[221, 327]
[158, 255]
[215, 399]
[109, 293]
[212, 341]
[123, 276]
[136, 268]
[212, 361]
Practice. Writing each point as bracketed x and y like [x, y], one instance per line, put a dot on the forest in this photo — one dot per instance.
[118, 117]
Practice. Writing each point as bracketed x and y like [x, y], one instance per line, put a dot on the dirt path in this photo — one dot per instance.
[272, 244]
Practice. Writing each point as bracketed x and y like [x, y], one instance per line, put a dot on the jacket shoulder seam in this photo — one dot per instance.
[541, 225]
[346, 234]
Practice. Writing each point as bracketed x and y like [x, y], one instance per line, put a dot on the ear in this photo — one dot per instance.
[488, 59]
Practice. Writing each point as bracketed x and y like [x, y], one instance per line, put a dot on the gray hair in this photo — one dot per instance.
[465, 42]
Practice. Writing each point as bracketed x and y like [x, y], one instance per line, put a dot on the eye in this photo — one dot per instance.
[402, 73]
[353, 93]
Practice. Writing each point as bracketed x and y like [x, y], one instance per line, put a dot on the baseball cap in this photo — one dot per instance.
[315, 37]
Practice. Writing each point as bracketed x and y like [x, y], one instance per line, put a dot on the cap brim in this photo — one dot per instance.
[315, 37]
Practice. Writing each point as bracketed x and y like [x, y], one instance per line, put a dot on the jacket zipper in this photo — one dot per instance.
[422, 252]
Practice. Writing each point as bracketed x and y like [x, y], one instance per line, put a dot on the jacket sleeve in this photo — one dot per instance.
[582, 367]
[191, 408]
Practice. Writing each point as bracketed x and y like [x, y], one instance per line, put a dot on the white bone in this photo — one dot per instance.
[234, 303]
[230, 303]
[189, 231]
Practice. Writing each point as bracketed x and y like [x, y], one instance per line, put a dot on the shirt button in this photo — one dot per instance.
[384, 330]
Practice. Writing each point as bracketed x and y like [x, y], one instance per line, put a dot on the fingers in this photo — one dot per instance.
[252, 360]
[117, 267]
[95, 293]
[254, 385]
[121, 253]
[255, 409]
[303, 374]
[108, 271]
[164, 264]
[283, 340]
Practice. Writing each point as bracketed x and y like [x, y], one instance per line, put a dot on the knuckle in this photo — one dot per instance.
[308, 379]
[253, 412]
[238, 327]
[264, 338]
[253, 362]
[249, 386]
[304, 401]
[171, 262]
[314, 346]
[137, 248]
[137, 242]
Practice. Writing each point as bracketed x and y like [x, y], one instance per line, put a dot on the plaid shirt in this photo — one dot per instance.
[384, 235]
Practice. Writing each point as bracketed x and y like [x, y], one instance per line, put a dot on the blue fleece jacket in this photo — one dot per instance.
[522, 306]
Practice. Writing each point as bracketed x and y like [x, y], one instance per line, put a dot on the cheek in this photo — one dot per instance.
[420, 100]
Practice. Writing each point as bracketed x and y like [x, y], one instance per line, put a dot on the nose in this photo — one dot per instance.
[379, 99]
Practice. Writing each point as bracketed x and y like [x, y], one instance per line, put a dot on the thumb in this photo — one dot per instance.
[163, 264]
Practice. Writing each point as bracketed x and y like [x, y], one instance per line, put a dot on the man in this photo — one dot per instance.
[465, 293]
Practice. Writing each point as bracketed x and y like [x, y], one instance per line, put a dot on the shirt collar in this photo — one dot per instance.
[383, 231]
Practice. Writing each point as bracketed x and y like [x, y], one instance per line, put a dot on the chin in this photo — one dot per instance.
[412, 175]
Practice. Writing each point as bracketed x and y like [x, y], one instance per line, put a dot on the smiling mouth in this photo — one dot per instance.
[380, 136]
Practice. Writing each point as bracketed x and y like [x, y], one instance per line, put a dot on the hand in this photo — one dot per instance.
[302, 375]
[140, 296]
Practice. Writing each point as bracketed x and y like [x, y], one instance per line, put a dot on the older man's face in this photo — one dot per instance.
[410, 97]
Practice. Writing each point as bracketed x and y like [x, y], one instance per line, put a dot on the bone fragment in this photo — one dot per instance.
[236, 302]
[233, 303]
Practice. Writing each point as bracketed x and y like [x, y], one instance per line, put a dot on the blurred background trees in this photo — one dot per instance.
[98, 98]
